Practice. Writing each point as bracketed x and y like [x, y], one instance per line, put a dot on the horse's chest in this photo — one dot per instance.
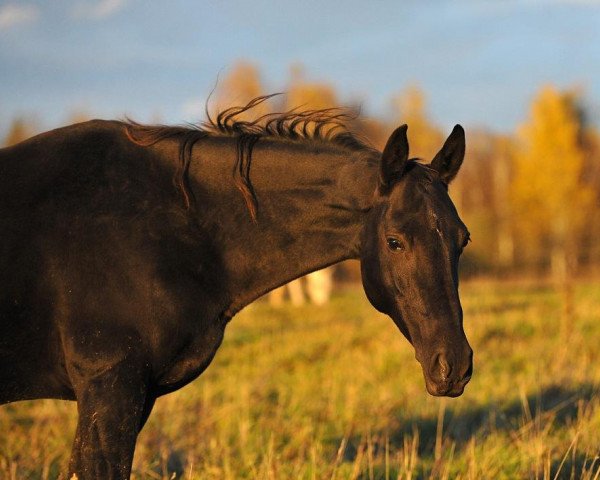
[192, 358]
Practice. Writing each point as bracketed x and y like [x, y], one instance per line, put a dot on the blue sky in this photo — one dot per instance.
[479, 62]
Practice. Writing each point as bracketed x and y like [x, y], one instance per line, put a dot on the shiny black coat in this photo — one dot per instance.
[123, 258]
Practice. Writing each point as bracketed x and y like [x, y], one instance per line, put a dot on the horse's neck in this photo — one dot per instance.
[311, 209]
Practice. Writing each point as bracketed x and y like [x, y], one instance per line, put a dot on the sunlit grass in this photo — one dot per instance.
[335, 393]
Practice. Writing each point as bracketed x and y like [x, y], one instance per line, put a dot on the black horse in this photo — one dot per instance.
[126, 249]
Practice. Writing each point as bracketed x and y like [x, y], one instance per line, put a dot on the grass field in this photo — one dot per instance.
[335, 393]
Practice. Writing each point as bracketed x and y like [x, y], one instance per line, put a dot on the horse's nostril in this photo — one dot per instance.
[441, 367]
[469, 371]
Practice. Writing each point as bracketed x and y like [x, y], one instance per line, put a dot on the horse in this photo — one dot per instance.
[126, 249]
[318, 287]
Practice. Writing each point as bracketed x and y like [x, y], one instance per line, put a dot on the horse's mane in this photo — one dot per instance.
[328, 126]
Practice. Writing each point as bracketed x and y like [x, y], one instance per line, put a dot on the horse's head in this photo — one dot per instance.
[411, 245]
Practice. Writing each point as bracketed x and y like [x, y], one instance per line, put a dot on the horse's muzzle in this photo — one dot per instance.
[447, 375]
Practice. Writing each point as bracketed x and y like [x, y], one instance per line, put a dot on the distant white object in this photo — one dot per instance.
[318, 288]
[319, 285]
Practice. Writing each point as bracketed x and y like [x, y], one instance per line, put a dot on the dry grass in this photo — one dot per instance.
[335, 393]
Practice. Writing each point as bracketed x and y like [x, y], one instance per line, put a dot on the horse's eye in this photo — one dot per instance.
[395, 244]
[466, 242]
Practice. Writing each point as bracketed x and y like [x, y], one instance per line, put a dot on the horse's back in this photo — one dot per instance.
[40, 180]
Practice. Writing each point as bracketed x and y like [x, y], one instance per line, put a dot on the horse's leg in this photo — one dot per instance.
[296, 292]
[112, 404]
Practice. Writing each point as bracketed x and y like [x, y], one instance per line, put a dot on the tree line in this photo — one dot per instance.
[530, 198]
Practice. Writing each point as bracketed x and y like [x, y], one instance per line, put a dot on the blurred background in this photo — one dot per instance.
[522, 77]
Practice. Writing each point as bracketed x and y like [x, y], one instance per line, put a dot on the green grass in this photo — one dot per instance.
[335, 393]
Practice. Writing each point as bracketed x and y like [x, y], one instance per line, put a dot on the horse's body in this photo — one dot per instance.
[114, 290]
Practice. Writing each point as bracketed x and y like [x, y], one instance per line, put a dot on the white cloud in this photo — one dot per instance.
[99, 9]
[13, 14]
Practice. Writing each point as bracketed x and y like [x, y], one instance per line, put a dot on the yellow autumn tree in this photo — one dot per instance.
[303, 95]
[550, 199]
[503, 152]
[241, 85]
[308, 95]
[410, 107]
[311, 96]
[592, 144]
[20, 129]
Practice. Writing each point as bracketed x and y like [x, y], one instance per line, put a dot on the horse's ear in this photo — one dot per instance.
[395, 157]
[449, 159]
